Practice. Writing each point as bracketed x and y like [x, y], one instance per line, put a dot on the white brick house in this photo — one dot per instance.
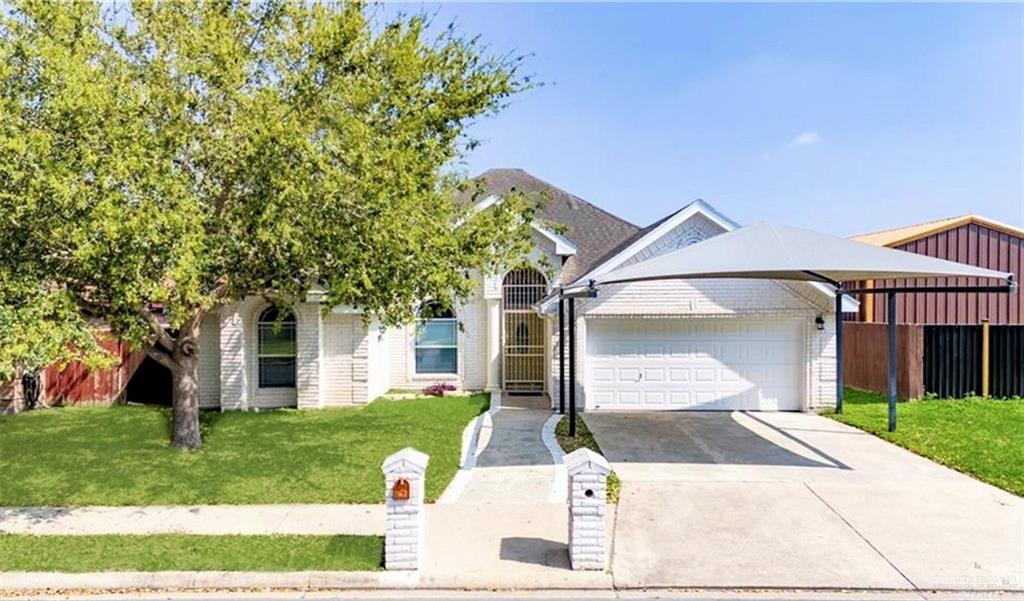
[708, 344]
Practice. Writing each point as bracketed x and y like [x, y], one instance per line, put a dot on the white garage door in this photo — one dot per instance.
[708, 364]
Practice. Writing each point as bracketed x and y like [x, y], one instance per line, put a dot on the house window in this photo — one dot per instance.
[276, 348]
[437, 350]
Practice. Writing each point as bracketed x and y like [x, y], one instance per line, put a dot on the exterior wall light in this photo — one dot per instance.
[819, 322]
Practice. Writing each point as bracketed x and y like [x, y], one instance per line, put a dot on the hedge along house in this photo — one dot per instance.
[951, 343]
[708, 344]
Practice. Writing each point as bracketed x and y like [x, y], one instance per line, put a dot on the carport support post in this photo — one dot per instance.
[572, 367]
[561, 353]
[839, 350]
[891, 315]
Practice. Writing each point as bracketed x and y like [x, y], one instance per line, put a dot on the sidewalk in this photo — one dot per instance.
[195, 519]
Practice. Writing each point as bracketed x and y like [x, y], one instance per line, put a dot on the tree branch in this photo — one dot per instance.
[162, 337]
[162, 358]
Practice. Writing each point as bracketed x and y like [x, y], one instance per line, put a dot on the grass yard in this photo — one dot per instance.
[121, 456]
[585, 440]
[188, 552]
[977, 436]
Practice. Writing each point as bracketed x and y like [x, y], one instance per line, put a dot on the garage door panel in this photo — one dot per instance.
[679, 374]
[654, 374]
[695, 364]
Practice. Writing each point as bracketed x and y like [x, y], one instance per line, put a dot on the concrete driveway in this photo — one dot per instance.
[798, 500]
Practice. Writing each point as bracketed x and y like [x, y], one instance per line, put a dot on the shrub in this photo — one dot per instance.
[439, 389]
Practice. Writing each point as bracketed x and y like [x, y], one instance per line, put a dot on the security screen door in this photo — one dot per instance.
[523, 346]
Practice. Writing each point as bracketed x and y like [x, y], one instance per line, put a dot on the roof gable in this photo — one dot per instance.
[693, 223]
[589, 230]
[701, 221]
[909, 233]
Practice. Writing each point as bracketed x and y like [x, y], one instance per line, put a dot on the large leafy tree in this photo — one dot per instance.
[160, 159]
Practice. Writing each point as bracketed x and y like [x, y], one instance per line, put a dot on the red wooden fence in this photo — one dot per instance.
[77, 385]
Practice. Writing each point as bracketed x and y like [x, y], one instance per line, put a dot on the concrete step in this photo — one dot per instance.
[526, 401]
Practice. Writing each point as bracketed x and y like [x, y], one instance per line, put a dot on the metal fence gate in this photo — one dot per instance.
[523, 340]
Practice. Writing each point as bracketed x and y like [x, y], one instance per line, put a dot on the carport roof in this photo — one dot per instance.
[780, 252]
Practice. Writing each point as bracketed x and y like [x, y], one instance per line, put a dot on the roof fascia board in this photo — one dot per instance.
[942, 226]
[950, 225]
[563, 246]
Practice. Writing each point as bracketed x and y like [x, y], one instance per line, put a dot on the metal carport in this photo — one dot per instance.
[778, 252]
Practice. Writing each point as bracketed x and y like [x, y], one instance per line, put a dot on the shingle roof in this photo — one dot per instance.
[594, 231]
[900, 235]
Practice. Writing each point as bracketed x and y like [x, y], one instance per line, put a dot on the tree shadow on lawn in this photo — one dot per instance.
[121, 456]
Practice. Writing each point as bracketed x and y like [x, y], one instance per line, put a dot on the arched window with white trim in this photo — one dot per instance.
[276, 348]
[437, 340]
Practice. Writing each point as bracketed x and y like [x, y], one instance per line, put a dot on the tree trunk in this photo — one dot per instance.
[186, 404]
[186, 389]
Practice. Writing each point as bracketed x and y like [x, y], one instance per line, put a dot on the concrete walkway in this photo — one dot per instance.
[516, 466]
[196, 519]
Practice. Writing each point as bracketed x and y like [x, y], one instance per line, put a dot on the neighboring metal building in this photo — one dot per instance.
[952, 344]
[968, 239]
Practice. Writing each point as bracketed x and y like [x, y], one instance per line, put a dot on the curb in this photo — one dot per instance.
[50, 581]
[560, 485]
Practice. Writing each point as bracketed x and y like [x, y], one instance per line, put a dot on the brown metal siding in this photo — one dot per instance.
[972, 244]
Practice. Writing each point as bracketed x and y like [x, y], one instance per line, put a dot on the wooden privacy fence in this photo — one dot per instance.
[77, 385]
[865, 356]
[944, 360]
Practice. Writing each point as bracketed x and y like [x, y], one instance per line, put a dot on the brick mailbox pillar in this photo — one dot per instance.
[588, 541]
[404, 475]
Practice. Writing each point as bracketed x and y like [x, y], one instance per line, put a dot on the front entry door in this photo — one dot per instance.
[523, 339]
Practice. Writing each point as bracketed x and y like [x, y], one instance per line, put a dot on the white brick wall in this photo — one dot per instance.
[701, 299]
[379, 370]
[472, 362]
[209, 361]
[234, 374]
[336, 373]
[360, 363]
[239, 363]
[307, 355]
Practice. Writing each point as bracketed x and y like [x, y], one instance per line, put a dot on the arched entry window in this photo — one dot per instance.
[523, 348]
[276, 348]
[437, 340]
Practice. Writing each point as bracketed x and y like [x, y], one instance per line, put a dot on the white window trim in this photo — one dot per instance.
[259, 355]
[439, 376]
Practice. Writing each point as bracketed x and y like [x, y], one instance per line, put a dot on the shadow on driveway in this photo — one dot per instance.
[699, 438]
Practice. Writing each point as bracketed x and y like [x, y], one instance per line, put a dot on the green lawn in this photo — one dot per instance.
[120, 455]
[977, 436]
[585, 440]
[188, 552]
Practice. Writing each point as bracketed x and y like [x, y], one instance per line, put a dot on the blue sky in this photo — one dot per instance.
[841, 118]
